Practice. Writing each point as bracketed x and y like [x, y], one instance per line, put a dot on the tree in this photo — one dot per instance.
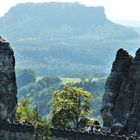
[25, 112]
[43, 130]
[69, 106]
[50, 81]
[25, 77]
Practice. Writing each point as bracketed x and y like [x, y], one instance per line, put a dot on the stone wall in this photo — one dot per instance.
[58, 134]
[16, 131]
[121, 101]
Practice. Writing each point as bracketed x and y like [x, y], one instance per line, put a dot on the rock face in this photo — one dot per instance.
[8, 89]
[9, 130]
[121, 101]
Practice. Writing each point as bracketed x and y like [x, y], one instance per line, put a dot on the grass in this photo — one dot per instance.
[38, 78]
[75, 80]
[70, 80]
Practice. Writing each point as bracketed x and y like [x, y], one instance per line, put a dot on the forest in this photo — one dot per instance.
[63, 39]
[40, 89]
[63, 57]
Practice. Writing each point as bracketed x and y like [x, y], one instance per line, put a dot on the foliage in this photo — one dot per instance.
[50, 81]
[95, 87]
[43, 130]
[28, 114]
[40, 93]
[25, 76]
[69, 105]
[59, 44]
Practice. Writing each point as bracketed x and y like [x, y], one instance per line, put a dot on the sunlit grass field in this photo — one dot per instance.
[66, 80]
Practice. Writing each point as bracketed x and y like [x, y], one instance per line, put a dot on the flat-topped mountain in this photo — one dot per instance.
[59, 14]
[63, 39]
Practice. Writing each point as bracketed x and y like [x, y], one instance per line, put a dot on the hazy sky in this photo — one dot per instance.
[115, 9]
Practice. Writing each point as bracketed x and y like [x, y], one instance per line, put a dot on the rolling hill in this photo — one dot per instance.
[64, 39]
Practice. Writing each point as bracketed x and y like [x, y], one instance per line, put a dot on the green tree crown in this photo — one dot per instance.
[70, 105]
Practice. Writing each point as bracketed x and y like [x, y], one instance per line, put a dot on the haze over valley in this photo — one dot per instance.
[65, 39]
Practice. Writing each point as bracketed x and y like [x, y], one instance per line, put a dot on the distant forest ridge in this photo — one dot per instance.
[65, 39]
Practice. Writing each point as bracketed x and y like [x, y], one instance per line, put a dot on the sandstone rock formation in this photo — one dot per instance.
[8, 90]
[9, 130]
[121, 102]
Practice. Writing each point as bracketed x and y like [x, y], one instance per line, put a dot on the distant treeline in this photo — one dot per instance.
[40, 90]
